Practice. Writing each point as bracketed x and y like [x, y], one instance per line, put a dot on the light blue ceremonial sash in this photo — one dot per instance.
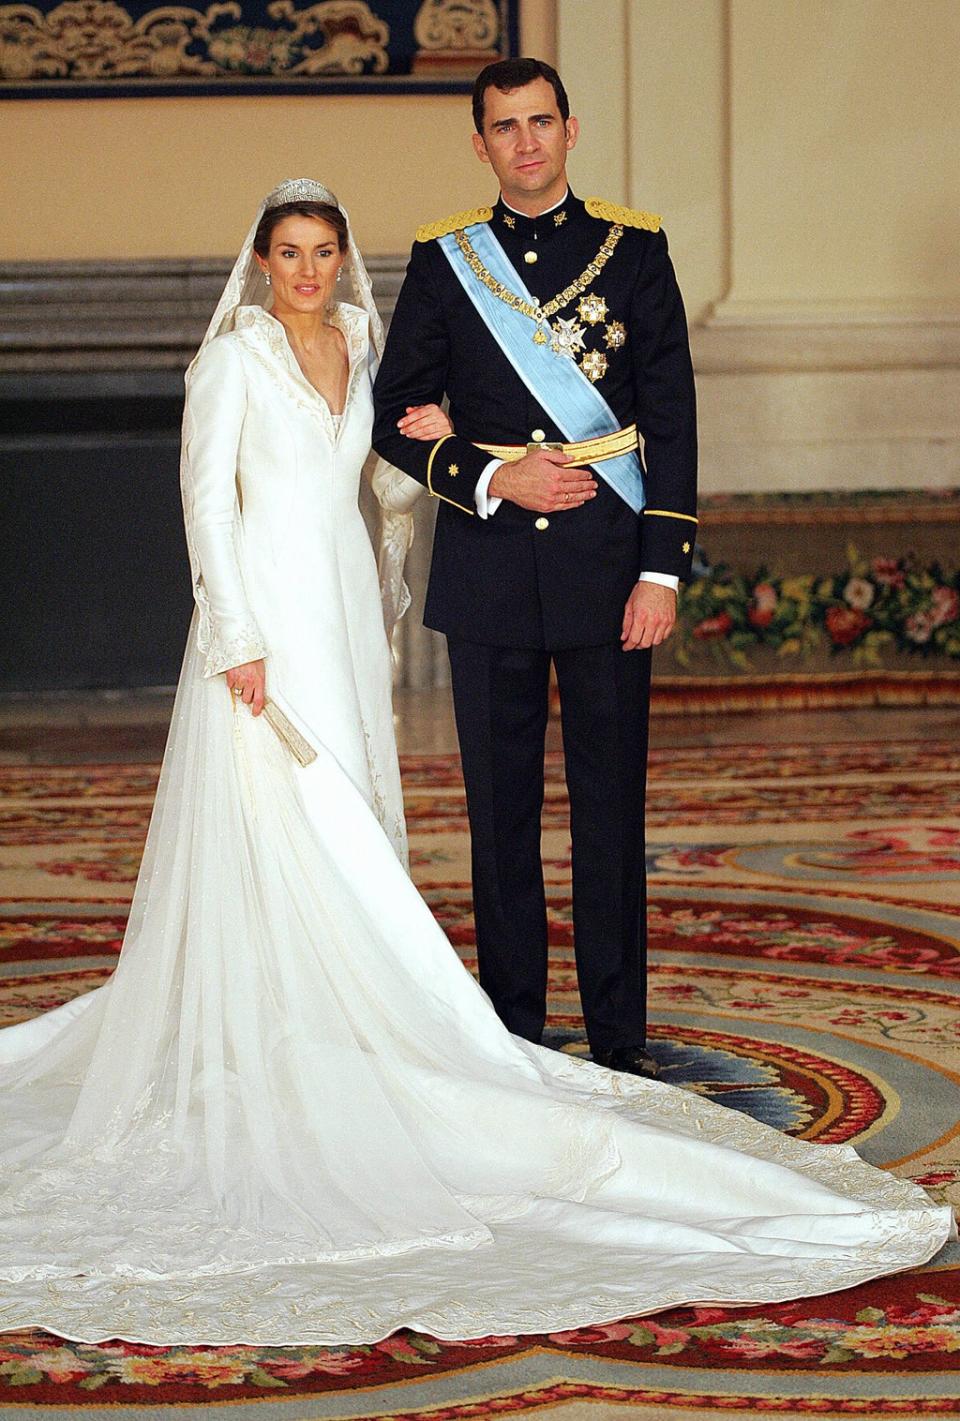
[556, 382]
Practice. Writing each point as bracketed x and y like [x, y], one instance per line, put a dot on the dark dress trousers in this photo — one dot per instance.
[518, 590]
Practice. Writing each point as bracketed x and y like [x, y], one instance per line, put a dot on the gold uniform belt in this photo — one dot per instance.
[584, 451]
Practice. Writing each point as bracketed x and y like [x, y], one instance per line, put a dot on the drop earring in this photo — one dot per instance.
[266, 275]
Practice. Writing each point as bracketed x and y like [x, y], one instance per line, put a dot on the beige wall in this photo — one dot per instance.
[180, 177]
[651, 101]
[845, 136]
[801, 151]
[803, 154]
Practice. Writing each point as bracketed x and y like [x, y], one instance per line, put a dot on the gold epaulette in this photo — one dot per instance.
[459, 220]
[626, 216]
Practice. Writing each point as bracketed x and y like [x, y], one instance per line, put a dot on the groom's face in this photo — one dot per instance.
[526, 142]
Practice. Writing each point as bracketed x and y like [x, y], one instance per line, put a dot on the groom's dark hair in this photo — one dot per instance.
[509, 74]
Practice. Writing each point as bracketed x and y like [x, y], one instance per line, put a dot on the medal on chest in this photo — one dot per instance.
[566, 336]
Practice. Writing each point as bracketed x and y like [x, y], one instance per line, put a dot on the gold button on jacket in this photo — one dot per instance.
[538, 435]
[541, 524]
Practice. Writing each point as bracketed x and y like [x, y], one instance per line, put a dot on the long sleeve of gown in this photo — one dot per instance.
[213, 418]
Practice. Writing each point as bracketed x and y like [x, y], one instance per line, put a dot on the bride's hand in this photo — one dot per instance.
[248, 684]
[424, 422]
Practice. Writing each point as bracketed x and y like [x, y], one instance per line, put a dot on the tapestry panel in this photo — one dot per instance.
[124, 48]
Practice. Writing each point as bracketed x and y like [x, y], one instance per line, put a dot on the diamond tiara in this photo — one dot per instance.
[300, 190]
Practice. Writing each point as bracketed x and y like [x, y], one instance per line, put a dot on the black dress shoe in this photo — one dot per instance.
[634, 1060]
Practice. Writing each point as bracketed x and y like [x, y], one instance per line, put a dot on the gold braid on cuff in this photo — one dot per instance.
[430, 488]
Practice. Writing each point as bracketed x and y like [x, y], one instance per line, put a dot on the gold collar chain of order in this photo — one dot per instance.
[540, 314]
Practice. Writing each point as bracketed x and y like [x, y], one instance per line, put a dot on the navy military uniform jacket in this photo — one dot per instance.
[507, 580]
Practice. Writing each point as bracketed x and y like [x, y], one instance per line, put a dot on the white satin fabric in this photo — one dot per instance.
[291, 1116]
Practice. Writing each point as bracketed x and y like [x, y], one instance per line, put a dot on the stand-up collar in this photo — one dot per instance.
[506, 221]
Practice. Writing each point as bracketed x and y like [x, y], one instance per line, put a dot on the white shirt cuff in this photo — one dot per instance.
[487, 506]
[662, 579]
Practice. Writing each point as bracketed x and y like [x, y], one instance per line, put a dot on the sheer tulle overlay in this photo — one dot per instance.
[291, 1116]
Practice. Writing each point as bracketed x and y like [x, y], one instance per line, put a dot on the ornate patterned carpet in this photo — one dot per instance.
[805, 922]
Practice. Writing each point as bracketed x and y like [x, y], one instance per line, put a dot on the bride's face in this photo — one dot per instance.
[303, 264]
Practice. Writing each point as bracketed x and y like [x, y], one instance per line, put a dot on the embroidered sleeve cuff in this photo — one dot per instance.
[453, 467]
[233, 648]
[666, 542]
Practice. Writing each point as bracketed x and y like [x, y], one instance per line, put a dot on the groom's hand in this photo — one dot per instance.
[649, 616]
[545, 481]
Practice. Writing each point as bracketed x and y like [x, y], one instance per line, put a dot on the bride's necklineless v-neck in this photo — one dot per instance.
[344, 347]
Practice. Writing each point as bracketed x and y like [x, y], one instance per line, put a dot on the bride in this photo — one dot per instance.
[291, 1116]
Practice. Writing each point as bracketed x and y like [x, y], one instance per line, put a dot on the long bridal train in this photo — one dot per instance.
[291, 1115]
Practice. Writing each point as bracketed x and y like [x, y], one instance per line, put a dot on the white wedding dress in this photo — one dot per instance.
[291, 1116]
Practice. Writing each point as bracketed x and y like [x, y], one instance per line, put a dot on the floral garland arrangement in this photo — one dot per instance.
[873, 607]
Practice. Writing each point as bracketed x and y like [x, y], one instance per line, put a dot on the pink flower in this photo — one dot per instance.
[295, 1368]
[763, 605]
[666, 1336]
[399, 1348]
[607, 1332]
[702, 1316]
[946, 605]
[492, 1341]
[888, 572]
[919, 626]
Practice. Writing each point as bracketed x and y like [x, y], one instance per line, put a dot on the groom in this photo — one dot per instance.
[565, 521]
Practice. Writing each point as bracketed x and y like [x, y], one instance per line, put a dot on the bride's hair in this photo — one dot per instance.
[274, 215]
